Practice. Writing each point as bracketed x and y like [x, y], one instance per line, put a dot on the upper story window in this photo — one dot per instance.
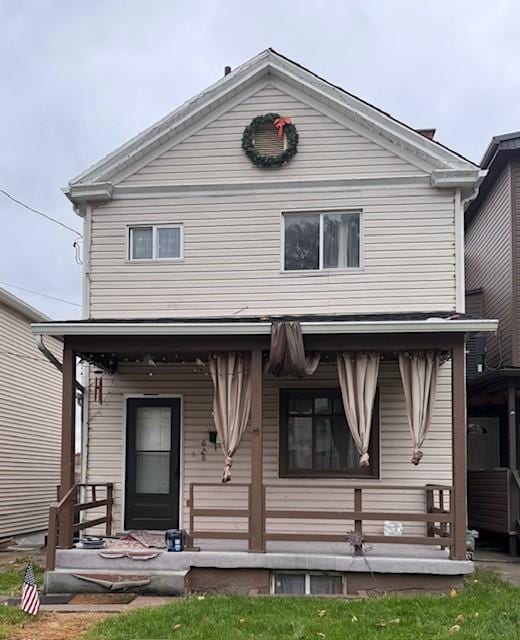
[155, 242]
[316, 241]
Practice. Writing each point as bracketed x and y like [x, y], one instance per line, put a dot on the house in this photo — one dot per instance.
[492, 231]
[271, 257]
[30, 423]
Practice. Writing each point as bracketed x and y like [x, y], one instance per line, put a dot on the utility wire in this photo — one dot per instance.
[38, 293]
[40, 213]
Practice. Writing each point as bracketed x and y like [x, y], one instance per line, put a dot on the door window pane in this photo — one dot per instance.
[302, 241]
[168, 242]
[340, 240]
[287, 583]
[153, 428]
[152, 472]
[142, 243]
[300, 443]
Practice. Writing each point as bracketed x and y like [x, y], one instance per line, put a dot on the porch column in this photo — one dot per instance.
[458, 434]
[256, 496]
[68, 445]
[513, 465]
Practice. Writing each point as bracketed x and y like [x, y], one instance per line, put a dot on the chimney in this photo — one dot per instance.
[227, 71]
[427, 133]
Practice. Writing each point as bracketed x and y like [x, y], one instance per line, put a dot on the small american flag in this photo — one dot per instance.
[30, 602]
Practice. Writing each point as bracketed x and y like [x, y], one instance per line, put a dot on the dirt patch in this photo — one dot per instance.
[14, 559]
[56, 626]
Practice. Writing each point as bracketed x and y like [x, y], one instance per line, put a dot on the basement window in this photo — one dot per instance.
[306, 584]
[155, 242]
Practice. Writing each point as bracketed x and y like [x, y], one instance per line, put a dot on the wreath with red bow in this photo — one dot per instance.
[285, 128]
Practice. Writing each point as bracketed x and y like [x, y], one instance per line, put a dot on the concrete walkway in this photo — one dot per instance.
[140, 601]
[505, 566]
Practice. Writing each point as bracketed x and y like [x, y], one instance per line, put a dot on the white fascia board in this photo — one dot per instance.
[457, 178]
[98, 192]
[373, 118]
[435, 325]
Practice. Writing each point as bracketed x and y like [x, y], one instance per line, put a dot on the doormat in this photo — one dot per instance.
[103, 598]
[137, 540]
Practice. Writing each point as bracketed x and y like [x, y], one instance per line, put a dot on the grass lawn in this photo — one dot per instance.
[486, 609]
[11, 580]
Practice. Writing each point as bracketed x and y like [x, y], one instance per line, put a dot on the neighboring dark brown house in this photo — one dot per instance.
[492, 241]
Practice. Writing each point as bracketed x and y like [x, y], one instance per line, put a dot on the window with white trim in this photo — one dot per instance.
[321, 241]
[155, 242]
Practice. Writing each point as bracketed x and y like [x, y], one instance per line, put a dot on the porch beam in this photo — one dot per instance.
[458, 434]
[68, 445]
[135, 345]
[256, 497]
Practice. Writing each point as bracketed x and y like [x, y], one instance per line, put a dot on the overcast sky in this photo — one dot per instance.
[79, 78]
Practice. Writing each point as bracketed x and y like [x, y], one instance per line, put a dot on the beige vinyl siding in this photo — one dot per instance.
[107, 435]
[326, 148]
[488, 250]
[30, 427]
[232, 256]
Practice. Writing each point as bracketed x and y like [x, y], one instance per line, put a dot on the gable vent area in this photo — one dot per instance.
[267, 141]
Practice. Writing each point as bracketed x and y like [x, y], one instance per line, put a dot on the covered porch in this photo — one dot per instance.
[264, 513]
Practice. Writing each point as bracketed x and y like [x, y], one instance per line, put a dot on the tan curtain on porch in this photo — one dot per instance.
[230, 373]
[287, 352]
[419, 371]
[357, 373]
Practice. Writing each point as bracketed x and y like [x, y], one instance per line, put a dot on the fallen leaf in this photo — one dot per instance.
[242, 621]
[477, 614]
[176, 627]
[320, 635]
[201, 598]
[380, 624]
[395, 621]
[460, 618]
[321, 613]
[354, 619]
[453, 593]
[454, 629]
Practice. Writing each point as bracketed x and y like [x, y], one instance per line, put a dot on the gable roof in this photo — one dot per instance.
[499, 152]
[447, 168]
[22, 307]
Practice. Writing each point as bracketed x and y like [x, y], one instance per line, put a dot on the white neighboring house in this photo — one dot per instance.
[30, 416]
[192, 249]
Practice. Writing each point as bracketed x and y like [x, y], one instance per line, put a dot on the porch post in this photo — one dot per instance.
[68, 442]
[513, 465]
[256, 495]
[458, 433]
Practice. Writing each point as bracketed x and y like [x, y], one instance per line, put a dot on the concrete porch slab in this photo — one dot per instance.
[380, 559]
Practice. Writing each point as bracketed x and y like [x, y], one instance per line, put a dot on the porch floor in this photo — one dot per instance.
[380, 558]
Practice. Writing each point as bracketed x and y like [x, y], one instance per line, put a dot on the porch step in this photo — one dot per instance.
[163, 583]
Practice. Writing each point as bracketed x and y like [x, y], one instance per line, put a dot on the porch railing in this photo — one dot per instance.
[66, 510]
[437, 515]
